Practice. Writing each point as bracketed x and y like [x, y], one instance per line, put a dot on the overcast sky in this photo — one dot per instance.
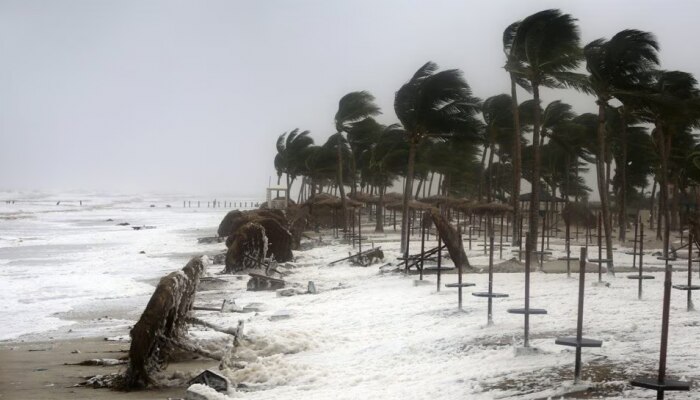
[190, 96]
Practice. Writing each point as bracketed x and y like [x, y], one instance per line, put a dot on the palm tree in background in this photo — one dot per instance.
[618, 66]
[290, 158]
[433, 104]
[497, 112]
[673, 106]
[543, 50]
[352, 108]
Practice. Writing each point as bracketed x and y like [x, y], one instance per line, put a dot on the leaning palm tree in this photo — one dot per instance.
[352, 108]
[291, 147]
[513, 64]
[544, 49]
[617, 68]
[433, 104]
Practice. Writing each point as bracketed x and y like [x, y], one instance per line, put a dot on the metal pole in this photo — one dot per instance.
[439, 259]
[527, 290]
[459, 276]
[690, 270]
[641, 258]
[568, 249]
[490, 299]
[500, 241]
[634, 248]
[664, 325]
[359, 228]
[422, 246]
[579, 322]
[600, 247]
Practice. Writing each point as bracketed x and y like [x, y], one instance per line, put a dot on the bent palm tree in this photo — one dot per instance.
[617, 68]
[433, 104]
[291, 147]
[544, 49]
[352, 108]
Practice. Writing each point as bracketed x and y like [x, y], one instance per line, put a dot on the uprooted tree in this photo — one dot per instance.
[162, 323]
[254, 235]
[163, 326]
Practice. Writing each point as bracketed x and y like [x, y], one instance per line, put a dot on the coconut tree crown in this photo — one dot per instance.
[437, 103]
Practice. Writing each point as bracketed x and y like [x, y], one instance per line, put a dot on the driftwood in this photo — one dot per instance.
[162, 323]
[363, 258]
[452, 239]
[262, 282]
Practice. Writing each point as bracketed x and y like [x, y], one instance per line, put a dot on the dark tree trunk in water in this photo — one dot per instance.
[408, 190]
[516, 162]
[603, 186]
[430, 187]
[483, 173]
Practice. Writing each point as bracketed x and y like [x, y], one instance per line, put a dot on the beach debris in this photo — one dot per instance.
[123, 224]
[363, 258]
[212, 379]
[254, 307]
[204, 392]
[162, 324]
[288, 292]
[311, 288]
[281, 314]
[226, 306]
[210, 239]
[138, 228]
[261, 282]
[246, 248]
[101, 362]
[101, 381]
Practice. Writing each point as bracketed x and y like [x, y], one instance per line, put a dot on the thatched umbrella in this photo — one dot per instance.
[491, 208]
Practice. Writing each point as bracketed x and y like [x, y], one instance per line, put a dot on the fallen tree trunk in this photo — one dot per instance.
[452, 239]
[163, 321]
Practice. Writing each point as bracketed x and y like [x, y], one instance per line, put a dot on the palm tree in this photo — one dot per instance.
[361, 135]
[673, 106]
[291, 147]
[498, 115]
[617, 68]
[352, 108]
[513, 64]
[386, 162]
[433, 104]
[544, 49]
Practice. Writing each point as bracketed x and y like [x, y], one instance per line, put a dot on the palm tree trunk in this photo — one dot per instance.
[651, 206]
[603, 186]
[483, 173]
[340, 183]
[516, 161]
[663, 188]
[533, 218]
[623, 170]
[420, 184]
[489, 186]
[379, 226]
[408, 189]
[289, 184]
[430, 187]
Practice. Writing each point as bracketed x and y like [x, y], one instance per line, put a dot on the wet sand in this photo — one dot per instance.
[37, 370]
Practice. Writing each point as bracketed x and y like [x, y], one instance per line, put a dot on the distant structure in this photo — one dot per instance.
[278, 202]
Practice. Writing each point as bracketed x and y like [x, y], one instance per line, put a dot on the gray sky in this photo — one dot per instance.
[190, 96]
